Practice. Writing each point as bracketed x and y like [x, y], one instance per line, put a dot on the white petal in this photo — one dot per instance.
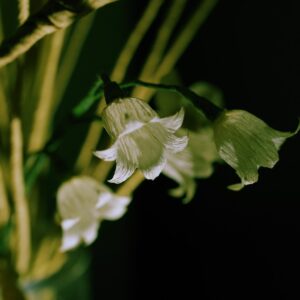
[69, 223]
[109, 154]
[176, 144]
[123, 171]
[69, 241]
[131, 126]
[116, 115]
[155, 170]
[174, 122]
[116, 208]
[90, 234]
[103, 199]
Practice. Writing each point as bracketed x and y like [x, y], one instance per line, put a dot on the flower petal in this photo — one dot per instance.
[247, 143]
[115, 208]
[152, 172]
[174, 122]
[69, 223]
[90, 233]
[109, 154]
[123, 171]
[69, 241]
[176, 144]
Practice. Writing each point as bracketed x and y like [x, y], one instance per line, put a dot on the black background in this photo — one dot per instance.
[223, 245]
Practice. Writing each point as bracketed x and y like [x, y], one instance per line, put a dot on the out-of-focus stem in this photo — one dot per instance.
[43, 113]
[54, 15]
[4, 205]
[182, 42]
[118, 74]
[135, 39]
[23, 10]
[3, 108]
[160, 42]
[71, 55]
[23, 232]
[129, 186]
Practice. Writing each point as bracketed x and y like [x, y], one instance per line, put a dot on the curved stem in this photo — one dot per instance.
[209, 109]
[54, 15]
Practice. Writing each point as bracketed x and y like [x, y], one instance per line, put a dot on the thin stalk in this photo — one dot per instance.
[71, 55]
[24, 10]
[182, 42]
[4, 112]
[121, 66]
[3, 100]
[161, 41]
[135, 39]
[23, 232]
[129, 186]
[43, 113]
[210, 110]
[4, 205]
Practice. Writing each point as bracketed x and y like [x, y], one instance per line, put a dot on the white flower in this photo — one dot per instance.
[82, 204]
[141, 139]
[247, 143]
[195, 161]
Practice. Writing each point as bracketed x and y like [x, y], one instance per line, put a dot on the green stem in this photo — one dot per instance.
[209, 109]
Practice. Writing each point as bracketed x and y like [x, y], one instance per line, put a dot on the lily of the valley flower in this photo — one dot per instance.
[195, 161]
[247, 143]
[82, 204]
[142, 140]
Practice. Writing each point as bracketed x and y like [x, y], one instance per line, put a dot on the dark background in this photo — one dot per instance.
[223, 245]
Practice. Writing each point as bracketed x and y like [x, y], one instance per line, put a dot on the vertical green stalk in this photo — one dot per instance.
[162, 39]
[43, 113]
[23, 10]
[23, 232]
[71, 54]
[182, 42]
[135, 39]
[4, 205]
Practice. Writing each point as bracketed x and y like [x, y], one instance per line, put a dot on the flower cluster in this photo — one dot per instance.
[142, 140]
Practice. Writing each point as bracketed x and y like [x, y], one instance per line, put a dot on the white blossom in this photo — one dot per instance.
[141, 140]
[195, 161]
[82, 204]
[247, 143]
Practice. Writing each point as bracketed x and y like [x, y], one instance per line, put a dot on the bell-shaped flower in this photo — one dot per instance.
[247, 143]
[82, 204]
[195, 161]
[141, 140]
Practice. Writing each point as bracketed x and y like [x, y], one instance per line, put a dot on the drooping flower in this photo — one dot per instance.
[82, 204]
[195, 161]
[247, 143]
[141, 139]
